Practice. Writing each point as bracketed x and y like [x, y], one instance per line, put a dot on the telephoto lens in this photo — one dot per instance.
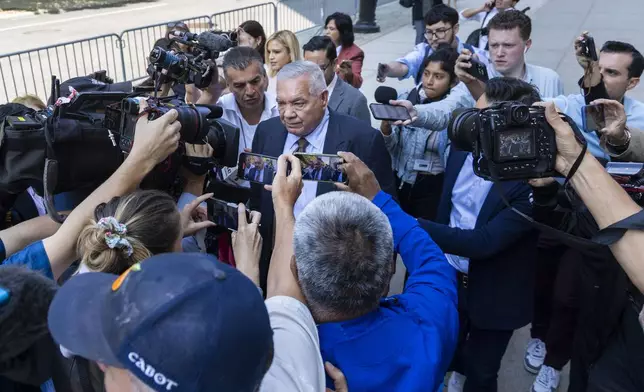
[463, 128]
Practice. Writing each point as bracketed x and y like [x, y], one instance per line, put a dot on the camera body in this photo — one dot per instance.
[588, 48]
[509, 141]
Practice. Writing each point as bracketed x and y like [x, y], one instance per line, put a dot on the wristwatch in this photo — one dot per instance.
[624, 145]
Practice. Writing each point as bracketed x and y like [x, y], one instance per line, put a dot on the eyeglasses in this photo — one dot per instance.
[440, 33]
[177, 25]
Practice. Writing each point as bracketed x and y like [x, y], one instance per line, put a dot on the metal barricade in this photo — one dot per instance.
[125, 56]
[30, 71]
[139, 42]
[265, 14]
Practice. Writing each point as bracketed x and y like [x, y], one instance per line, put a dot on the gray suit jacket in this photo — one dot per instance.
[348, 100]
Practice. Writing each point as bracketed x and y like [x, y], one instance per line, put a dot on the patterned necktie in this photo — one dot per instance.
[302, 143]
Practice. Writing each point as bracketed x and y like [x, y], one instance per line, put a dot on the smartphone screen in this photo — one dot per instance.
[321, 167]
[224, 213]
[257, 168]
[478, 70]
[593, 117]
[389, 112]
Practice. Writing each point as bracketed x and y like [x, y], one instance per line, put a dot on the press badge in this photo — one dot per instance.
[422, 165]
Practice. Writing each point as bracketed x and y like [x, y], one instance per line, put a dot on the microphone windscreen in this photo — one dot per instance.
[214, 42]
[384, 94]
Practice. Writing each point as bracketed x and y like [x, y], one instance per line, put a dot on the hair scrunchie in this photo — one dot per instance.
[115, 233]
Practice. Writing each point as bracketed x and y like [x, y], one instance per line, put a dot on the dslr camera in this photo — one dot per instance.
[196, 65]
[509, 140]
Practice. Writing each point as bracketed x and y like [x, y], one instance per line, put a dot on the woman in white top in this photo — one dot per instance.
[281, 48]
[485, 13]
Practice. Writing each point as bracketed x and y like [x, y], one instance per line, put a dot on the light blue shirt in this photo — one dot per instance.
[316, 146]
[572, 105]
[468, 195]
[414, 59]
[196, 242]
[544, 79]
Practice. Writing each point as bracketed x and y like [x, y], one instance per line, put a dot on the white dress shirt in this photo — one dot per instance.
[316, 146]
[331, 85]
[338, 50]
[468, 195]
[546, 80]
[233, 114]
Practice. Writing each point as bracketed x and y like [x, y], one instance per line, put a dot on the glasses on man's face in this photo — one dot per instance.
[439, 33]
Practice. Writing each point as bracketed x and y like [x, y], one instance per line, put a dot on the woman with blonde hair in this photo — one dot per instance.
[281, 48]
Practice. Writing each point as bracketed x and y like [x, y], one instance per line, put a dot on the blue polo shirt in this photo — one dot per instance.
[33, 257]
[409, 341]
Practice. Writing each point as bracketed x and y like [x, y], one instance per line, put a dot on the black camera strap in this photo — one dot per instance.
[611, 234]
[50, 176]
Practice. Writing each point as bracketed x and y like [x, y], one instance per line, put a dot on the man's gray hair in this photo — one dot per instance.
[343, 248]
[296, 69]
[240, 58]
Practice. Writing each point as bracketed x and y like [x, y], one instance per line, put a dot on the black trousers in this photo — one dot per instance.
[619, 368]
[479, 351]
[556, 300]
[421, 199]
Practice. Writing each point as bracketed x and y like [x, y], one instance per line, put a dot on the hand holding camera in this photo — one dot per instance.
[585, 50]
[382, 73]
[487, 6]
[469, 70]
[155, 140]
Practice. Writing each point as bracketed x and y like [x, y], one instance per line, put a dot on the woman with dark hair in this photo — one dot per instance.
[419, 154]
[339, 27]
[251, 34]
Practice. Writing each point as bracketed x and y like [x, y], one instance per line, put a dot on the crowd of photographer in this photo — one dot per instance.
[235, 222]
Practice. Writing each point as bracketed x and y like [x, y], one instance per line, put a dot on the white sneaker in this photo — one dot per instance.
[535, 353]
[456, 382]
[547, 380]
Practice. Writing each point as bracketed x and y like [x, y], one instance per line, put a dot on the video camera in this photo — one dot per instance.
[80, 143]
[196, 65]
[509, 140]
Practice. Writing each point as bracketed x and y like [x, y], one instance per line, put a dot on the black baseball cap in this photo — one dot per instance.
[177, 321]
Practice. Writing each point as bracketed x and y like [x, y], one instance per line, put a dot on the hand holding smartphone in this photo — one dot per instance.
[593, 117]
[321, 167]
[478, 70]
[256, 168]
[381, 111]
[224, 214]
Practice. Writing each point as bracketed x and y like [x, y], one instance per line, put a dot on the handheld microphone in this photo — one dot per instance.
[384, 94]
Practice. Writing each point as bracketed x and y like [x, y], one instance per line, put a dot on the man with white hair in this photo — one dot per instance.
[343, 245]
[306, 125]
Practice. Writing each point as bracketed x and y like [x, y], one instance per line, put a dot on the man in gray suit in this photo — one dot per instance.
[343, 98]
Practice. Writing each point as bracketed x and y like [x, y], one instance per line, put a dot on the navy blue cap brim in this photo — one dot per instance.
[76, 320]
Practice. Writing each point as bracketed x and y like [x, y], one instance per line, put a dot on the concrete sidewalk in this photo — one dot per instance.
[555, 26]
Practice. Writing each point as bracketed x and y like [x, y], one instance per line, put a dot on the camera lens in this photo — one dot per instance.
[163, 58]
[463, 127]
[194, 123]
[520, 114]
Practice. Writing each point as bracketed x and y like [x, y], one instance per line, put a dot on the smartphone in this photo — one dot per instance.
[321, 167]
[224, 213]
[257, 168]
[593, 118]
[478, 70]
[389, 112]
[588, 48]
